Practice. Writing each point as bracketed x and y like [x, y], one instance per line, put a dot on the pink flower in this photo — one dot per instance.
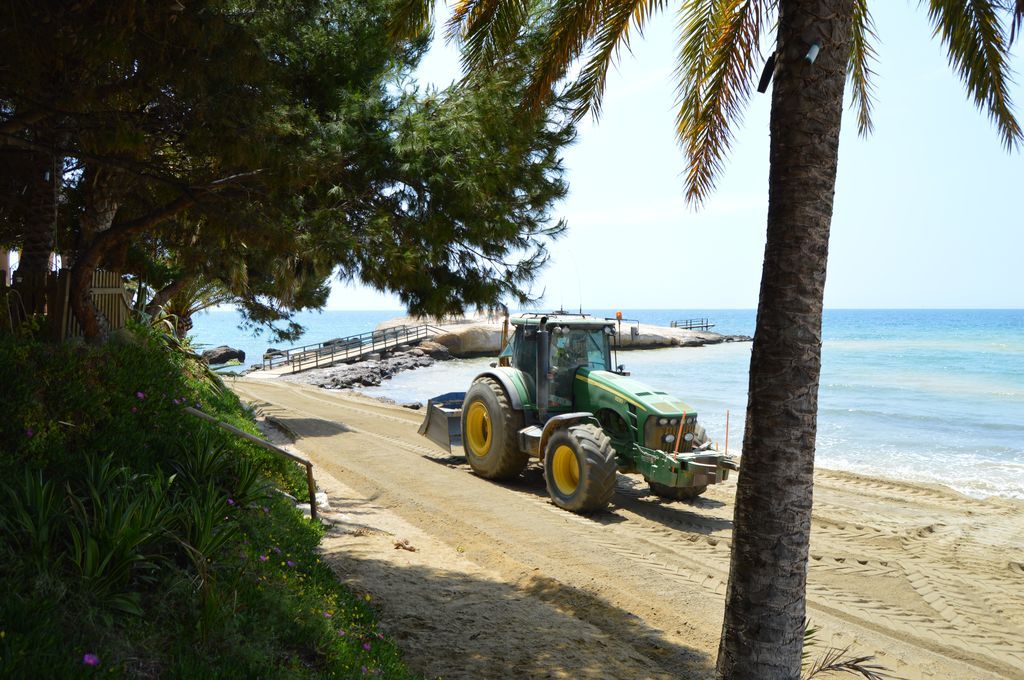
[91, 660]
[140, 395]
[366, 646]
[134, 410]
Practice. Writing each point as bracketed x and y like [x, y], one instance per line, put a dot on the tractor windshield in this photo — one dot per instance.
[579, 347]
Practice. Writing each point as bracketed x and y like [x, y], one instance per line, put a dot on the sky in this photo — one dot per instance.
[927, 212]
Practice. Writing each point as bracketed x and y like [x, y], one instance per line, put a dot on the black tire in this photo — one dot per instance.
[579, 468]
[490, 428]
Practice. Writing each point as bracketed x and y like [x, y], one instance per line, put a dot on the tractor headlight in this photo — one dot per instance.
[688, 436]
[669, 438]
[662, 421]
[673, 422]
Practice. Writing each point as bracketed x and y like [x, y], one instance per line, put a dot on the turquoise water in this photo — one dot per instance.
[926, 395]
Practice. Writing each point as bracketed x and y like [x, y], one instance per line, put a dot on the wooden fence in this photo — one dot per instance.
[49, 296]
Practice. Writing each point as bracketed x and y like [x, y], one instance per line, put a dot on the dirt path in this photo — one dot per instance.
[504, 584]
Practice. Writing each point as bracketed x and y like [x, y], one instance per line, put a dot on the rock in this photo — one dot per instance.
[322, 502]
[472, 340]
[435, 350]
[222, 355]
[274, 352]
[413, 405]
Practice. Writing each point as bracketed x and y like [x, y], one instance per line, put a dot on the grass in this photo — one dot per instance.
[139, 541]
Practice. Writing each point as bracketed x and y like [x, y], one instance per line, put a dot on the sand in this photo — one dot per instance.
[504, 584]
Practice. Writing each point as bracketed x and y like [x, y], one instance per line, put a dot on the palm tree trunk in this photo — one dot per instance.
[762, 635]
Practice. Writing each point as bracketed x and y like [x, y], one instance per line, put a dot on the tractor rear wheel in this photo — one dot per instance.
[489, 431]
[579, 468]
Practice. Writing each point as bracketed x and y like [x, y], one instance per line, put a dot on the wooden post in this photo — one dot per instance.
[727, 430]
[679, 435]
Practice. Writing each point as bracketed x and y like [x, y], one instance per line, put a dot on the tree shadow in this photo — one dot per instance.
[455, 624]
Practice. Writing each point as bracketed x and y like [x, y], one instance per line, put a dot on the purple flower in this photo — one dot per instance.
[263, 558]
[290, 563]
[266, 510]
[341, 633]
[90, 660]
[231, 501]
[327, 615]
[176, 401]
[277, 551]
[366, 646]
[140, 395]
[364, 670]
[29, 432]
[134, 410]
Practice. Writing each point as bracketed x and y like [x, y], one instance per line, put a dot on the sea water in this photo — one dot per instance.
[923, 395]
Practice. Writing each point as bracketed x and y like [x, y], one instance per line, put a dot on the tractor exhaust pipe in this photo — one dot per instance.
[543, 381]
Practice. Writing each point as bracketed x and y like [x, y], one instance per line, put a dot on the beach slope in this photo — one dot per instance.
[479, 579]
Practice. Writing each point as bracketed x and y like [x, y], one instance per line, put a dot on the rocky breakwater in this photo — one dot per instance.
[373, 370]
[477, 336]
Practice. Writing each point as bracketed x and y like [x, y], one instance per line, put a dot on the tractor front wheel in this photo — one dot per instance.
[579, 468]
[489, 431]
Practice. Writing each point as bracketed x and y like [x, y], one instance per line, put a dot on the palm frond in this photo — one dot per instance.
[571, 24]
[715, 88]
[838, 661]
[973, 33]
[862, 54]
[486, 29]
[1016, 20]
[697, 22]
[619, 15]
[410, 18]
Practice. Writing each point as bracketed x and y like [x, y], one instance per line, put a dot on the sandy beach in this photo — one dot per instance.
[501, 583]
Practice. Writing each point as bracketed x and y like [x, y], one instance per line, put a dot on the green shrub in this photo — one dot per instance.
[146, 540]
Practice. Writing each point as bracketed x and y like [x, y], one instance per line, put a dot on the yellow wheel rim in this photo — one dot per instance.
[565, 470]
[478, 429]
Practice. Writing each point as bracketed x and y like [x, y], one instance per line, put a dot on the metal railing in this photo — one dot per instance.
[348, 348]
[310, 482]
[702, 324]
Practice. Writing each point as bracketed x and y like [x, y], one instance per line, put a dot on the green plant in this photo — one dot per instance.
[835, 660]
[113, 528]
[33, 519]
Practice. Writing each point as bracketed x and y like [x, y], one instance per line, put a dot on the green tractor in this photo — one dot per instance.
[554, 394]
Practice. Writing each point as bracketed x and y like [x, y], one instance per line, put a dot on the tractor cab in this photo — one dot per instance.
[550, 350]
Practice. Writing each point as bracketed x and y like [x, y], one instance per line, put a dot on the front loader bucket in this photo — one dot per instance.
[442, 423]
